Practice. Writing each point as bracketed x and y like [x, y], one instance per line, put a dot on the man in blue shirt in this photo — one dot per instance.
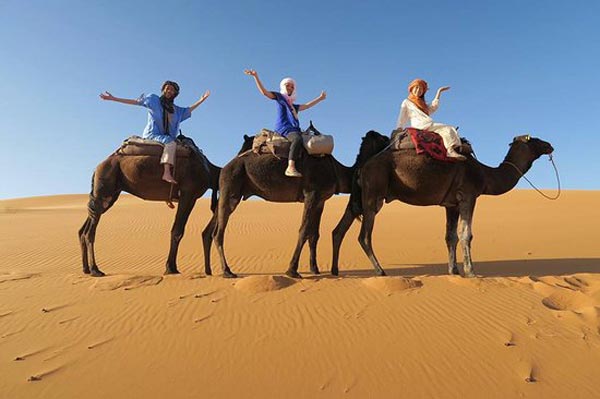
[164, 118]
[287, 123]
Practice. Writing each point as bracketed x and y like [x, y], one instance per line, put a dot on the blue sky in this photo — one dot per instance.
[514, 67]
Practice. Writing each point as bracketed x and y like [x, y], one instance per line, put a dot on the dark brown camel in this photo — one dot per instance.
[263, 176]
[141, 176]
[420, 180]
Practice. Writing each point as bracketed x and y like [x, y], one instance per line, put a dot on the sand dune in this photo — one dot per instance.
[528, 327]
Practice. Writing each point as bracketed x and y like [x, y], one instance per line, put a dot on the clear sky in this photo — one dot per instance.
[514, 67]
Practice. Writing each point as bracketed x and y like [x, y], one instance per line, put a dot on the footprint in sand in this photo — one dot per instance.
[389, 285]
[30, 354]
[567, 300]
[258, 284]
[43, 374]
[111, 283]
[100, 343]
[4, 277]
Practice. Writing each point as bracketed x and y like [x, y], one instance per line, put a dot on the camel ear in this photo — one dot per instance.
[246, 137]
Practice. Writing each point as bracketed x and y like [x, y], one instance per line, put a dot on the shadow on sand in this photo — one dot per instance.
[504, 268]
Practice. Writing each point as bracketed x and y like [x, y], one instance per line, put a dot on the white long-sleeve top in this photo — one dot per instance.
[412, 116]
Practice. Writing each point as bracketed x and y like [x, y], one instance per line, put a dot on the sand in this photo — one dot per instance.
[529, 326]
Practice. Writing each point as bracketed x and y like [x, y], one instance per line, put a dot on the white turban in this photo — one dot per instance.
[283, 91]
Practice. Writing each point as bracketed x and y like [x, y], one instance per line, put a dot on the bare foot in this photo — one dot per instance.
[169, 179]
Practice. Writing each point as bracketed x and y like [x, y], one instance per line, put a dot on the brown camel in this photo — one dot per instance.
[140, 175]
[403, 175]
[263, 176]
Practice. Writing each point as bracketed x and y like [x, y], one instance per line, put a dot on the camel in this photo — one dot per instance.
[386, 175]
[140, 175]
[263, 175]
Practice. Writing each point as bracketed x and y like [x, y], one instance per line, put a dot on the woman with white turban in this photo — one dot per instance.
[287, 123]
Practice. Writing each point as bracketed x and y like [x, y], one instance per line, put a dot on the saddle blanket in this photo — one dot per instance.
[426, 142]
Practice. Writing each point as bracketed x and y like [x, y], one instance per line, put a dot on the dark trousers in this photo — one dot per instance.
[296, 139]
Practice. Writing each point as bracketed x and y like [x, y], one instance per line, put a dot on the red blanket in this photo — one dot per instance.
[430, 143]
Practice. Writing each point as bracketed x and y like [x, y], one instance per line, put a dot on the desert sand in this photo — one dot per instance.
[528, 326]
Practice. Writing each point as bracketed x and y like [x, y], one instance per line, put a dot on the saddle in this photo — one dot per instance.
[270, 142]
[315, 143]
[136, 145]
[423, 141]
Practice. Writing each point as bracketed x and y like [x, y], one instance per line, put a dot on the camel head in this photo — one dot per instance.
[247, 144]
[371, 144]
[535, 146]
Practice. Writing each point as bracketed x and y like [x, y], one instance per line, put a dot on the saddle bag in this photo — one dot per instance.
[318, 145]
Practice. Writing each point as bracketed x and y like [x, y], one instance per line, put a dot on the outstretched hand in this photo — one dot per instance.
[251, 72]
[323, 95]
[443, 88]
[205, 95]
[107, 96]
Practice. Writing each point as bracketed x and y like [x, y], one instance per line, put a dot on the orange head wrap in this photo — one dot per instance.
[418, 101]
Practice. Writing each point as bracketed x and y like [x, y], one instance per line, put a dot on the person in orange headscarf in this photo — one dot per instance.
[415, 112]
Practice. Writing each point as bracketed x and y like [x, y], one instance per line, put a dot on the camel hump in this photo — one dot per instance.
[425, 142]
[136, 145]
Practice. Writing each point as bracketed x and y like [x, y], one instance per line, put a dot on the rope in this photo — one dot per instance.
[532, 185]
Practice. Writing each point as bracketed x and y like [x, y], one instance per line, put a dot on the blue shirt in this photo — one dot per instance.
[155, 128]
[285, 122]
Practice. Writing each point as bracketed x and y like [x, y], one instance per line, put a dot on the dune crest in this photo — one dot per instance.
[389, 285]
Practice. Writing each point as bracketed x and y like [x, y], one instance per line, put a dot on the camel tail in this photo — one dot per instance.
[214, 199]
[355, 204]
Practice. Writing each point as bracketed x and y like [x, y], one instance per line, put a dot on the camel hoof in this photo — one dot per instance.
[86, 271]
[229, 274]
[380, 273]
[335, 272]
[293, 274]
[470, 275]
[96, 273]
[315, 270]
[171, 271]
[454, 271]
[208, 272]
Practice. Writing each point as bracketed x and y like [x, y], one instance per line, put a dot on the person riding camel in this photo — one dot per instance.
[164, 118]
[416, 113]
[287, 123]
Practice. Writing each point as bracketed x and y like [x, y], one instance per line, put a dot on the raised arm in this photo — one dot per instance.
[314, 102]
[259, 84]
[435, 104]
[109, 97]
[197, 103]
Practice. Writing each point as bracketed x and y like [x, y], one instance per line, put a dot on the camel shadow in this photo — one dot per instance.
[504, 268]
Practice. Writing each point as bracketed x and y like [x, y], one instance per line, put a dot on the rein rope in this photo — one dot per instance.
[532, 185]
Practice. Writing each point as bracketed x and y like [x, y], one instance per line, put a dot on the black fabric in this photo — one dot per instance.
[296, 147]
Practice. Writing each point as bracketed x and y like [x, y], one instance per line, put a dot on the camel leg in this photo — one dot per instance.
[465, 235]
[338, 235]
[227, 204]
[186, 204]
[83, 244]
[207, 237]
[366, 232]
[313, 238]
[308, 214]
[451, 238]
[97, 205]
